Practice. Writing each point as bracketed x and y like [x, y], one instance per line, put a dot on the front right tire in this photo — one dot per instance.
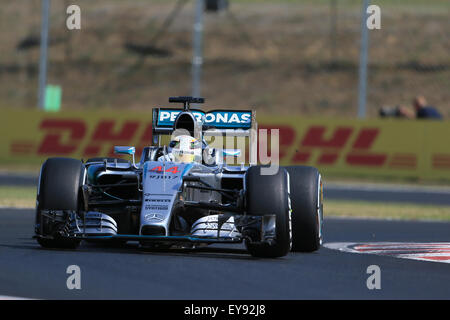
[307, 208]
[268, 195]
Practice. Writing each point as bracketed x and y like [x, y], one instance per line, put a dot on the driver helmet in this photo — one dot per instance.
[185, 149]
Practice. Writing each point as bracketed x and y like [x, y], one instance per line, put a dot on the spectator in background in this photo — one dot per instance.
[425, 111]
[422, 110]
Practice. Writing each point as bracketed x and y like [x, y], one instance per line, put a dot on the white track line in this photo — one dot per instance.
[13, 298]
[433, 252]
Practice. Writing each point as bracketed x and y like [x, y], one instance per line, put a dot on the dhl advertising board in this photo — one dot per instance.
[397, 148]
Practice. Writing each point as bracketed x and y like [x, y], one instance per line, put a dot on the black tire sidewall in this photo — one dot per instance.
[59, 184]
[268, 195]
[306, 223]
[59, 189]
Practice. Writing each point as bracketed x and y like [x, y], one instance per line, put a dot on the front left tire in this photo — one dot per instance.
[60, 181]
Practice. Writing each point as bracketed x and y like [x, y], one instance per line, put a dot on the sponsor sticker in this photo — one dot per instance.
[218, 119]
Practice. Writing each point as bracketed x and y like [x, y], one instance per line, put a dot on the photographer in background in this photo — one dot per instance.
[421, 108]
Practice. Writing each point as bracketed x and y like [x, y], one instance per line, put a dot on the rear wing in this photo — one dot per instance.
[232, 123]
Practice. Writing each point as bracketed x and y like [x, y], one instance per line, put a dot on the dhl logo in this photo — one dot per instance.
[65, 137]
[318, 145]
[331, 147]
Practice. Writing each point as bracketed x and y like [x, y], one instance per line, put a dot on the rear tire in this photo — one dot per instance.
[307, 208]
[59, 190]
[268, 195]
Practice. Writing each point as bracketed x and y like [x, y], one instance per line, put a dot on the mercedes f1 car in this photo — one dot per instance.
[182, 193]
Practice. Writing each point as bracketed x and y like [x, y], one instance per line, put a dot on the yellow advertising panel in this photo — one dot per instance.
[356, 147]
[396, 148]
[33, 136]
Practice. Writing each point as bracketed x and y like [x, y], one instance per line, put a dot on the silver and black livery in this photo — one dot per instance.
[160, 203]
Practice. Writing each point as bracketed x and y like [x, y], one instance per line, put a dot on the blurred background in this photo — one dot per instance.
[277, 56]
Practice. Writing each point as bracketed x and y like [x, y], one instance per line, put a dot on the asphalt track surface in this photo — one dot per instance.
[334, 191]
[26, 270]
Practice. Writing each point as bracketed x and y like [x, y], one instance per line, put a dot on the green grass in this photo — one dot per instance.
[18, 197]
[8, 166]
[378, 210]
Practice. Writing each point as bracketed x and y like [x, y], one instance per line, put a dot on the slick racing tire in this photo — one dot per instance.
[59, 190]
[268, 195]
[307, 208]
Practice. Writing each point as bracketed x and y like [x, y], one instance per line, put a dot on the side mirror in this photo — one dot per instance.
[126, 150]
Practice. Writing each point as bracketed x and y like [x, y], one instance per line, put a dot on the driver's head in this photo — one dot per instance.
[185, 149]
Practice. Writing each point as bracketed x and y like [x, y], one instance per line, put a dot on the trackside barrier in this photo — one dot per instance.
[391, 148]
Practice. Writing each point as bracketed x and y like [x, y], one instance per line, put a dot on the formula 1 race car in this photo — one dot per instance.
[182, 193]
